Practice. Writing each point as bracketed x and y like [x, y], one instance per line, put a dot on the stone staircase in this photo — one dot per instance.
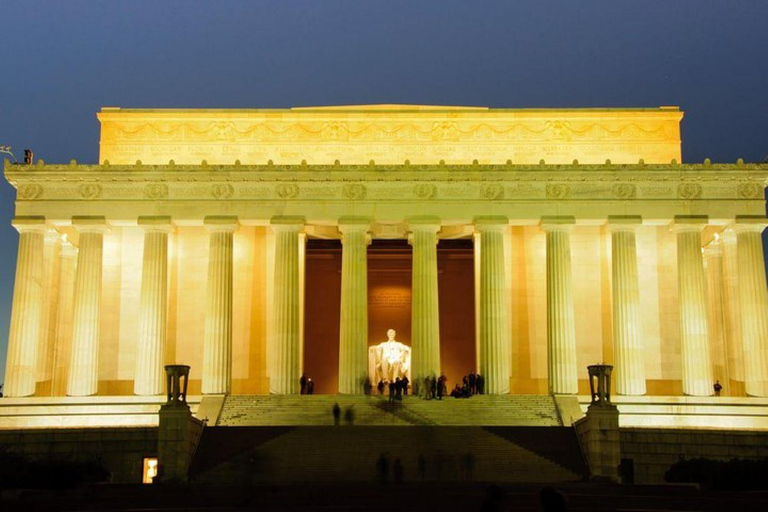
[248, 455]
[316, 410]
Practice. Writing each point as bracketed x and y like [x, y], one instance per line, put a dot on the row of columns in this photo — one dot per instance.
[31, 311]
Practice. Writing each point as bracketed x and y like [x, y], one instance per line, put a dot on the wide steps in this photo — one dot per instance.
[307, 410]
[332, 454]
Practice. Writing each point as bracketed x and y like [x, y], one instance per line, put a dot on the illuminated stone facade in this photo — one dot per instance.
[185, 244]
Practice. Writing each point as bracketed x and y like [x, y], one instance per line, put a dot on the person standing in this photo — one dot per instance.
[472, 382]
[405, 383]
[336, 414]
[303, 384]
[310, 387]
[718, 388]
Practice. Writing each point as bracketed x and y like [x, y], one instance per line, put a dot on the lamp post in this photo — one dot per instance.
[7, 151]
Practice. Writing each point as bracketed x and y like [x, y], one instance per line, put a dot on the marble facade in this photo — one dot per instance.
[185, 245]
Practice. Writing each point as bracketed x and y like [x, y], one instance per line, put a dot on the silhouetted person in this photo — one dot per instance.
[382, 468]
[427, 387]
[28, 157]
[397, 471]
[440, 388]
[367, 386]
[405, 383]
[392, 391]
[349, 415]
[380, 387]
[471, 379]
[433, 383]
[718, 388]
[303, 384]
[336, 414]
[456, 393]
[310, 387]
[552, 500]
[398, 389]
[422, 463]
[480, 384]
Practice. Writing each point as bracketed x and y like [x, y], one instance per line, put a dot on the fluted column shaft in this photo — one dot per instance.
[62, 351]
[425, 313]
[628, 356]
[714, 270]
[286, 348]
[494, 339]
[27, 309]
[217, 346]
[83, 368]
[561, 329]
[753, 300]
[692, 296]
[149, 378]
[353, 327]
[51, 257]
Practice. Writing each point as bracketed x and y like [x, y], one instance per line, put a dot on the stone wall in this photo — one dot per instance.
[654, 451]
[120, 450]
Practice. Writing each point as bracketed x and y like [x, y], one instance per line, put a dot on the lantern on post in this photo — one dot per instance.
[600, 383]
[177, 390]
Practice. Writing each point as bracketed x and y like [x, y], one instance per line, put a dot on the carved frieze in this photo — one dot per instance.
[30, 192]
[689, 191]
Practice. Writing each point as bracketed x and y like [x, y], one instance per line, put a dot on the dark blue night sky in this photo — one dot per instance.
[62, 61]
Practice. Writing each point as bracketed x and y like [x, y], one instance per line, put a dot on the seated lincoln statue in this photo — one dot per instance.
[389, 360]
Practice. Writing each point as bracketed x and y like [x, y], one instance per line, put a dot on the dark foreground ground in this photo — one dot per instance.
[382, 497]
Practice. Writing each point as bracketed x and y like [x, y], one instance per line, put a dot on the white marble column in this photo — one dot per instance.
[753, 301]
[692, 296]
[714, 271]
[83, 368]
[286, 340]
[51, 257]
[628, 355]
[149, 378]
[217, 346]
[561, 329]
[27, 309]
[425, 313]
[494, 351]
[62, 346]
[353, 327]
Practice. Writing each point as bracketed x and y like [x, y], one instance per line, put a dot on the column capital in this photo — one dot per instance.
[750, 223]
[25, 223]
[350, 223]
[225, 223]
[424, 223]
[287, 223]
[90, 224]
[623, 222]
[491, 223]
[557, 223]
[684, 223]
[161, 223]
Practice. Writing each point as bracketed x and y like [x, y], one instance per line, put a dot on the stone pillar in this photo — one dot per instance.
[217, 346]
[753, 301]
[62, 346]
[713, 268]
[425, 314]
[628, 352]
[178, 432]
[598, 430]
[286, 338]
[692, 296]
[494, 351]
[27, 309]
[561, 329]
[51, 261]
[83, 369]
[353, 326]
[153, 307]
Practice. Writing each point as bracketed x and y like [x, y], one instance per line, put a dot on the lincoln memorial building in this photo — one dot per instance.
[257, 245]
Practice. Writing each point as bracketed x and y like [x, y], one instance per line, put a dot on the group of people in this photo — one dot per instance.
[307, 385]
[396, 389]
[472, 384]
